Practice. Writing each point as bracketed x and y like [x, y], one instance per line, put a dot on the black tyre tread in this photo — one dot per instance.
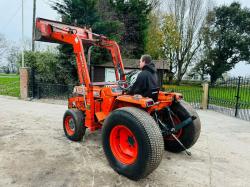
[154, 136]
[152, 139]
[185, 110]
[80, 128]
[197, 122]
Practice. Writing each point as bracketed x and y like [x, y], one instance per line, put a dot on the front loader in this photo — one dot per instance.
[135, 129]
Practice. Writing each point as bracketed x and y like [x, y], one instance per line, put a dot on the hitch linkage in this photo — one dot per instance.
[183, 124]
[166, 130]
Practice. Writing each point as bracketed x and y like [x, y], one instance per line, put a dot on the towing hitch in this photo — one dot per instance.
[183, 124]
[175, 128]
[178, 127]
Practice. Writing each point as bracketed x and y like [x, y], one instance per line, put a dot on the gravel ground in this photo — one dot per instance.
[35, 152]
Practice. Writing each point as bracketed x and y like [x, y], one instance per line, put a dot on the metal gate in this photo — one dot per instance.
[40, 89]
[46, 90]
[231, 97]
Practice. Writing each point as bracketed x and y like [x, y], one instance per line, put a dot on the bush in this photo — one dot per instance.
[44, 65]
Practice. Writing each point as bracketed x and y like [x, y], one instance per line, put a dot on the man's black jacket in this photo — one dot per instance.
[146, 81]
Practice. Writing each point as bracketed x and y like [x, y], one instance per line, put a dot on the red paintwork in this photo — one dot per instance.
[96, 100]
[178, 134]
[123, 144]
[70, 131]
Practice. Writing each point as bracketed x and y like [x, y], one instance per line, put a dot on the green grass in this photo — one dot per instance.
[220, 96]
[9, 85]
[192, 94]
[227, 96]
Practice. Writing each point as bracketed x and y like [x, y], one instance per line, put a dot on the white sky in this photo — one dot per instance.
[10, 22]
[11, 17]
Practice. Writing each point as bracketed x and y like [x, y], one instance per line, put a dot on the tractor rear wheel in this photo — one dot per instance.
[132, 142]
[189, 134]
[73, 124]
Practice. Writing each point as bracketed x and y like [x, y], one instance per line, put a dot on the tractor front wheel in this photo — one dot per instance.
[132, 142]
[73, 124]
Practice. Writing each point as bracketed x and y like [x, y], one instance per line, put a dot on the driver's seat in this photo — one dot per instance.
[155, 93]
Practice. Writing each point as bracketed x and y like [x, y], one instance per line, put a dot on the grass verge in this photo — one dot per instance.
[9, 85]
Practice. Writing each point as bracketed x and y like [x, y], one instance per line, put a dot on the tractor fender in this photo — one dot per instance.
[138, 100]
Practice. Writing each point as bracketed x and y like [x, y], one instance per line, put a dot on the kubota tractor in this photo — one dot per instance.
[135, 129]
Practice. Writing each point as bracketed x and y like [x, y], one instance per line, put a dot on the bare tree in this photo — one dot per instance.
[3, 46]
[12, 59]
[155, 4]
[187, 17]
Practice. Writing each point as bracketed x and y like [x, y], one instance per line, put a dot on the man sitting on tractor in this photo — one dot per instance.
[146, 83]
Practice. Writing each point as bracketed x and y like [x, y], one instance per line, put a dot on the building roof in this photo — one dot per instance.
[134, 64]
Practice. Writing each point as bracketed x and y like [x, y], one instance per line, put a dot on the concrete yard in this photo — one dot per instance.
[35, 152]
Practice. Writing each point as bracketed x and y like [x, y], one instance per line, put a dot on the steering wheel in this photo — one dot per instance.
[131, 72]
[123, 85]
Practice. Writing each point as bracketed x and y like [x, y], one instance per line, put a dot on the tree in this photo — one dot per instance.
[201, 68]
[73, 12]
[154, 40]
[186, 18]
[80, 12]
[226, 39]
[134, 14]
[162, 39]
[45, 65]
[3, 46]
[12, 59]
[83, 13]
[170, 43]
[109, 24]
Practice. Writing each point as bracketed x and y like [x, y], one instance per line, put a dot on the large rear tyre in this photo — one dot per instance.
[189, 134]
[132, 142]
[73, 124]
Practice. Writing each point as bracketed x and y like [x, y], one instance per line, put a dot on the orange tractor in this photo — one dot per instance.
[135, 129]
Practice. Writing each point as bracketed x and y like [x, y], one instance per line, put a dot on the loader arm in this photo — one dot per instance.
[57, 32]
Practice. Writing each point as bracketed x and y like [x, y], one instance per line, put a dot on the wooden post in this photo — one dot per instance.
[204, 104]
[24, 82]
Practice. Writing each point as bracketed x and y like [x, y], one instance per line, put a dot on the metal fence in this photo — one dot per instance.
[192, 94]
[231, 97]
[47, 90]
[39, 89]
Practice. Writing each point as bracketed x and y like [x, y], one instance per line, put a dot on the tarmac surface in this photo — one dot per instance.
[35, 152]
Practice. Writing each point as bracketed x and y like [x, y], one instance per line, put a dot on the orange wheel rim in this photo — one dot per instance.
[123, 144]
[69, 125]
[176, 121]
